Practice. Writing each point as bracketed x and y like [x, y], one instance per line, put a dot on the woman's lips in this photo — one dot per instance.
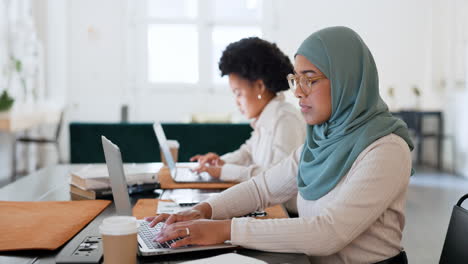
[304, 108]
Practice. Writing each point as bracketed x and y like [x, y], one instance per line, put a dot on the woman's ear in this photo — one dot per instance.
[259, 87]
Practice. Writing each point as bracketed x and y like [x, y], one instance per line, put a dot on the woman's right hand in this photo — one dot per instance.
[200, 211]
[211, 158]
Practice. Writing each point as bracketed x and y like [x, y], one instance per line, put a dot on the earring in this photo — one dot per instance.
[259, 97]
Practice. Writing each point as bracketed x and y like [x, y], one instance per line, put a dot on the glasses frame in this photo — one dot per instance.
[303, 80]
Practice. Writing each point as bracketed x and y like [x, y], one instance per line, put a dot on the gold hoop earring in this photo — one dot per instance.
[259, 97]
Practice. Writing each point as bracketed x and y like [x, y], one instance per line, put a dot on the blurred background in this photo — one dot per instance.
[146, 60]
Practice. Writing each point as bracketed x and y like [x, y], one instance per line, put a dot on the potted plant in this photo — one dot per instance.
[6, 101]
[15, 65]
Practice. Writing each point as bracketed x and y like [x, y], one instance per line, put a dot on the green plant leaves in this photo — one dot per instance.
[6, 101]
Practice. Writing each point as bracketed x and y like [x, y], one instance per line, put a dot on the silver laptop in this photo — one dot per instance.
[181, 175]
[146, 245]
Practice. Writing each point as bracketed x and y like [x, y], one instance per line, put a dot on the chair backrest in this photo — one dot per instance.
[455, 248]
[412, 119]
[59, 125]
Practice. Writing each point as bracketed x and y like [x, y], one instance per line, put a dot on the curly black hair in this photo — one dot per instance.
[257, 59]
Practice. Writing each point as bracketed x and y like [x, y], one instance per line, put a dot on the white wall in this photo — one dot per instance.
[455, 72]
[97, 61]
[399, 33]
[412, 43]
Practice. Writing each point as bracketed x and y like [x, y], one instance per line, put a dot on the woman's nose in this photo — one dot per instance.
[298, 93]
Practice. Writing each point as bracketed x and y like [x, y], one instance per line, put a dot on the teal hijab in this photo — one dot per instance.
[359, 115]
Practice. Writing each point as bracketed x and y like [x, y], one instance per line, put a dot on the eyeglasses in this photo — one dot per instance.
[304, 82]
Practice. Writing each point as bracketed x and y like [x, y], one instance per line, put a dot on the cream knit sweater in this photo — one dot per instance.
[360, 221]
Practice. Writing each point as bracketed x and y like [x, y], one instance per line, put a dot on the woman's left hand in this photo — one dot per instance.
[200, 232]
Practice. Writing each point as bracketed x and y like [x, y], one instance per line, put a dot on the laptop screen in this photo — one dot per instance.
[158, 130]
[117, 177]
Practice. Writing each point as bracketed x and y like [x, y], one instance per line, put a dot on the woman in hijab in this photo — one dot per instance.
[350, 176]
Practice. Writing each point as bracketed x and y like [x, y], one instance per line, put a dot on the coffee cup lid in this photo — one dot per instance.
[173, 143]
[119, 225]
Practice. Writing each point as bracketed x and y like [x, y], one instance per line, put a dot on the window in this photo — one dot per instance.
[179, 42]
[167, 43]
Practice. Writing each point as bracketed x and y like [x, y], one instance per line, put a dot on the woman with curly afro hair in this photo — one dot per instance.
[256, 70]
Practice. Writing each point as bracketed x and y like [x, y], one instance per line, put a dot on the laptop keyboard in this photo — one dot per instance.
[185, 174]
[148, 233]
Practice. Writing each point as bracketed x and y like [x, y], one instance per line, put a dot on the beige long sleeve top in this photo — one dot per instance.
[278, 131]
[359, 221]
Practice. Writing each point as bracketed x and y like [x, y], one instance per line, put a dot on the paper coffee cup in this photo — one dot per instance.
[119, 237]
[174, 149]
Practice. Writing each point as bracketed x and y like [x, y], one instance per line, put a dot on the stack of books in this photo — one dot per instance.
[76, 193]
[92, 181]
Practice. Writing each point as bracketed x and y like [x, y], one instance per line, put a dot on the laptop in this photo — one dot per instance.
[189, 197]
[146, 247]
[180, 175]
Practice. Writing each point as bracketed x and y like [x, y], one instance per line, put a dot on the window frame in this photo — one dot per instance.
[137, 58]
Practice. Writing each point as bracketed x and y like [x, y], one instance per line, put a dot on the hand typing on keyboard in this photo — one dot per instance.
[195, 232]
[213, 170]
[190, 225]
[200, 211]
[148, 233]
[210, 158]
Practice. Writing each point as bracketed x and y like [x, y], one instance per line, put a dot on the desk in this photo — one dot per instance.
[26, 116]
[52, 184]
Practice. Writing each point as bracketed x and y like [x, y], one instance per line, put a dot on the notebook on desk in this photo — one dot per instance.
[179, 175]
[146, 245]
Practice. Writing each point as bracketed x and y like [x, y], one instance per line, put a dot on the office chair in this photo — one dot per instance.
[455, 250]
[38, 140]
